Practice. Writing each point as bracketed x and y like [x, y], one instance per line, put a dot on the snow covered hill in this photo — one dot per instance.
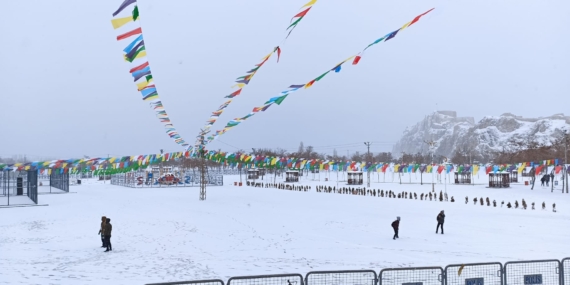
[490, 134]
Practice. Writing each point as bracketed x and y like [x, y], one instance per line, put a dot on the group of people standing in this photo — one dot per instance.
[105, 232]
[440, 220]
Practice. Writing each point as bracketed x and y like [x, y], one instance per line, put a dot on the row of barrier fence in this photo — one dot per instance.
[533, 272]
[72, 177]
[144, 179]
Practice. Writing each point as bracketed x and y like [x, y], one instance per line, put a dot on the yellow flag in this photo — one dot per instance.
[460, 270]
[142, 85]
[140, 55]
[521, 168]
[49, 171]
[239, 85]
[405, 26]
[119, 22]
[346, 60]
[267, 56]
[312, 2]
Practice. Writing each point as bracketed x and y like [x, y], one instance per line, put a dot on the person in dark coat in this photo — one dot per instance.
[102, 230]
[108, 229]
[552, 178]
[543, 180]
[396, 226]
[440, 221]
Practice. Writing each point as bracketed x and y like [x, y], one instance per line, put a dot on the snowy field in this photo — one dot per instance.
[167, 234]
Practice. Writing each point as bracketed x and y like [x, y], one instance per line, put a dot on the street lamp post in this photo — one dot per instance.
[565, 164]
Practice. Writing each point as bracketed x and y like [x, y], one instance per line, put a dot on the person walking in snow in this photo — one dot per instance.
[440, 221]
[108, 229]
[396, 226]
[102, 230]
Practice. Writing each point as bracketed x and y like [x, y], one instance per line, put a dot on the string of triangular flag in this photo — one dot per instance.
[128, 25]
[296, 87]
[244, 80]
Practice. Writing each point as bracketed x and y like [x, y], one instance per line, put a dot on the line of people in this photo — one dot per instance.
[105, 233]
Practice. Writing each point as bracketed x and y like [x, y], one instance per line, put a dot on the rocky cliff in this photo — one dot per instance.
[449, 132]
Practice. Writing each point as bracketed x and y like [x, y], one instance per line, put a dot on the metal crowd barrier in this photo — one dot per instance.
[531, 272]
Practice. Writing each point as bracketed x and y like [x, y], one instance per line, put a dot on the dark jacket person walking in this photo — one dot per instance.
[108, 229]
[102, 230]
[396, 226]
[440, 221]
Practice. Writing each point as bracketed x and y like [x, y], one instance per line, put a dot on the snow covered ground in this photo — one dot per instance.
[162, 235]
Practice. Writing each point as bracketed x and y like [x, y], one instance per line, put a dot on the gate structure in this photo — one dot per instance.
[280, 279]
[411, 276]
[16, 184]
[197, 282]
[566, 271]
[474, 274]
[347, 277]
[59, 180]
[32, 185]
[537, 272]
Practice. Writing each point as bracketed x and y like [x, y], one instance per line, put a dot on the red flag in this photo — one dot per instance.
[237, 92]
[301, 14]
[140, 67]
[129, 34]
[417, 18]
[356, 60]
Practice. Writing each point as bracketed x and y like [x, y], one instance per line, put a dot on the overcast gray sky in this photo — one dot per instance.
[67, 92]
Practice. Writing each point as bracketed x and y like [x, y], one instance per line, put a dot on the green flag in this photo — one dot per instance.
[322, 75]
[280, 99]
[136, 13]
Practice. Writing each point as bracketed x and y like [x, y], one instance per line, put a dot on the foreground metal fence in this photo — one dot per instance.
[532, 272]
[474, 274]
[411, 276]
[545, 272]
[360, 277]
[59, 181]
[280, 279]
[197, 282]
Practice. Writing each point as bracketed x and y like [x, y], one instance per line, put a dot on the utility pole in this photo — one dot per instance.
[203, 168]
[431, 145]
[565, 170]
[399, 168]
[566, 163]
[367, 161]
